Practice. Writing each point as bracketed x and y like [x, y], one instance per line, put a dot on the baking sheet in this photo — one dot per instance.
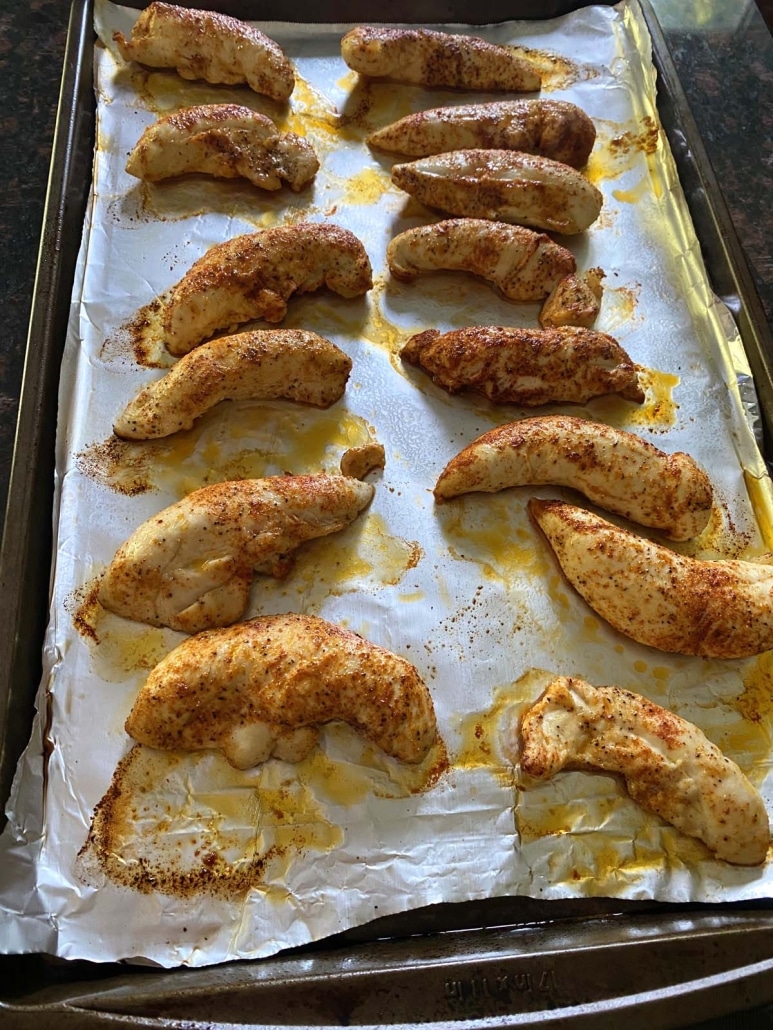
[466, 592]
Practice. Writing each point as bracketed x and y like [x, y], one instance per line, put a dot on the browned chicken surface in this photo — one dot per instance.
[227, 141]
[715, 609]
[523, 264]
[669, 765]
[265, 364]
[425, 57]
[576, 300]
[553, 128]
[505, 186]
[526, 366]
[191, 566]
[615, 469]
[252, 276]
[265, 687]
[210, 46]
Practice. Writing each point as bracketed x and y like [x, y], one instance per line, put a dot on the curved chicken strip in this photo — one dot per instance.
[505, 186]
[252, 276]
[617, 470]
[262, 365]
[576, 300]
[210, 46]
[264, 688]
[669, 766]
[425, 57]
[191, 566]
[552, 128]
[523, 264]
[715, 609]
[526, 366]
[226, 141]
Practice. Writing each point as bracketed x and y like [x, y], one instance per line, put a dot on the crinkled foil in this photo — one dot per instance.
[192, 862]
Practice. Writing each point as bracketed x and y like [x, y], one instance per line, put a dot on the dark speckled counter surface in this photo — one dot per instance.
[722, 49]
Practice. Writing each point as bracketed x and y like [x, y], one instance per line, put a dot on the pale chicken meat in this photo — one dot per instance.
[210, 46]
[264, 688]
[266, 364]
[252, 276]
[576, 300]
[425, 57]
[615, 469]
[668, 764]
[714, 609]
[226, 141]
[191, 566]
[504, 186]
[529, 367]
[553, 128]
[524, 265]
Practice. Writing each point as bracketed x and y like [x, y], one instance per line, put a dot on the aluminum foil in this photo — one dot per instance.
[195, 863]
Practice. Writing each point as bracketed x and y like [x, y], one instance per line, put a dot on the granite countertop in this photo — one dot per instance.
[722, 50]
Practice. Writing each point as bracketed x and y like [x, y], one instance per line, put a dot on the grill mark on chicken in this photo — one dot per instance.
[509, 365]
[433, 59]
[713, 609]
[210, 46]
[613, 468]
[191, 566]
[553, 128]
[669, 766]
[265, 687]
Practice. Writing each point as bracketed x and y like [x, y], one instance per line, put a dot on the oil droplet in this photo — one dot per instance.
[659, 408]
[367, 187]
[618, 150]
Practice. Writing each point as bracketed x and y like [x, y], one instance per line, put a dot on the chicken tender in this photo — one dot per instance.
[552, 128]
[209, 46]
[617, 470]
[576, 300]
[714, 609]
[265, 687]
[191, 566]
[526, 366]
[266, 364]
[226, 141]
[523, 264]
[425, 57]
[669, 766]
[504, 186]
[252, 276]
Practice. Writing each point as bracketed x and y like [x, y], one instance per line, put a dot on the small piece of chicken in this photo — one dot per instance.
[714, 609]
[361, 461]
[617, 470]
[526, 366]
[265, 364]
[576, 300]
[669, 766]
[227, 141]
[210, 46]
[552, 128]
[252, 276]
[191, 566]
[264, 688]
[523, 264]
[504, 186]
[424, 57]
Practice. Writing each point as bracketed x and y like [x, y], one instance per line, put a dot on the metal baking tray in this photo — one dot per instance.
[501, 962]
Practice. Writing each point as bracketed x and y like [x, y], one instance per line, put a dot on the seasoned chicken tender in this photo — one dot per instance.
[616, 470]
[523, 264]
[669, 766]
[526, 366]
[252, 276]
[265, 687]
[226, 141]
[553, 128]
[714, 609]
[576, 300]
[191, 566]
[425, 57]
[210, 46]
[505, 186]
[266, 364]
